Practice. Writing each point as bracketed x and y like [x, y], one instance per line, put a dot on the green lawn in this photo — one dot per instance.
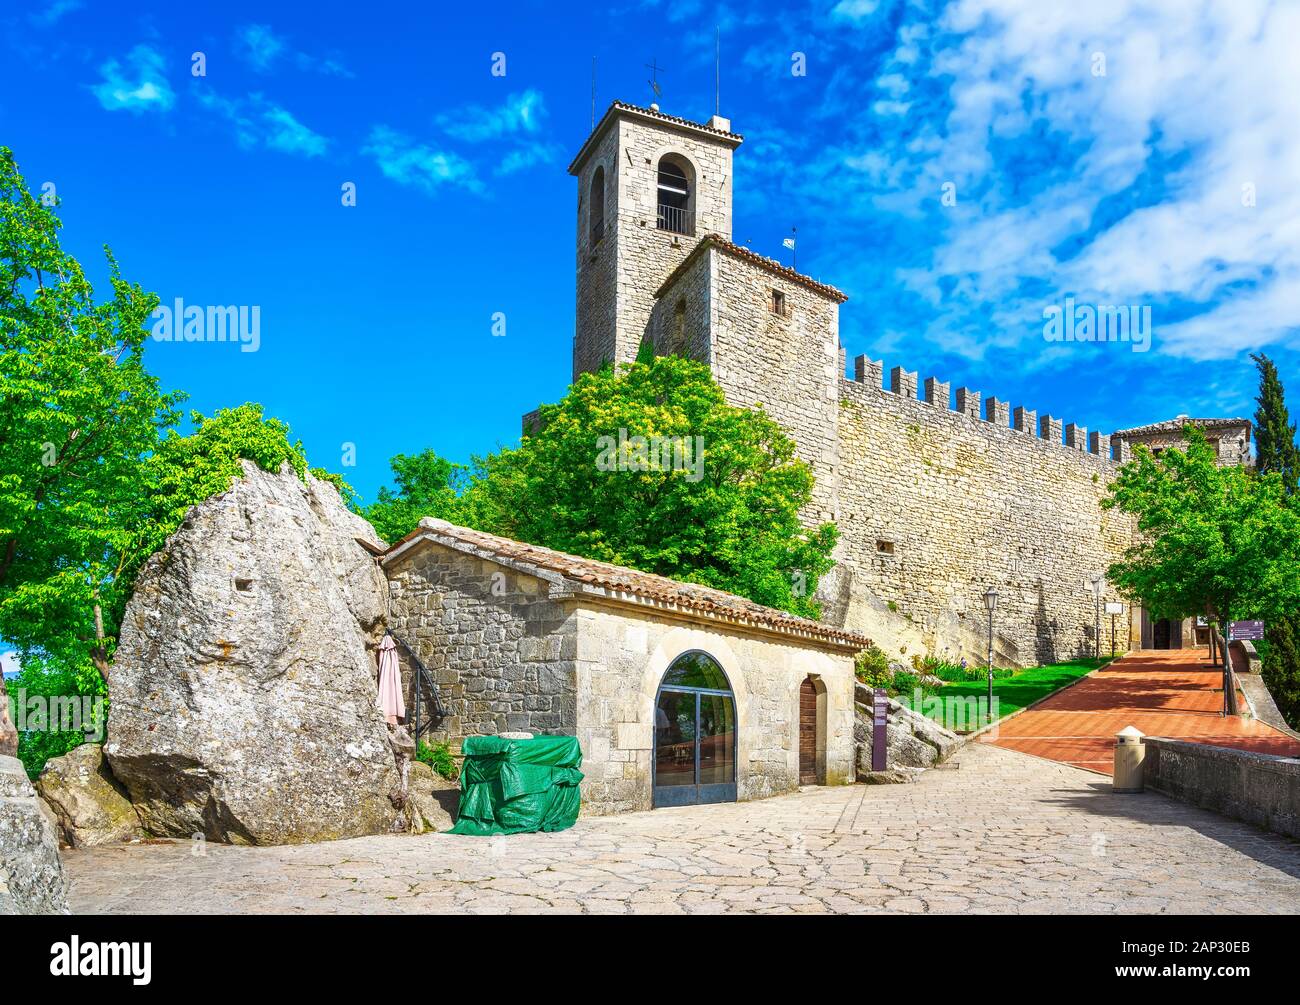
[1025, 688]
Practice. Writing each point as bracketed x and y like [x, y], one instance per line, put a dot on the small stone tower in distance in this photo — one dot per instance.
[650, 186]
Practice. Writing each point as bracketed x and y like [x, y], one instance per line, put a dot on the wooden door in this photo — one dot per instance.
[807, 733]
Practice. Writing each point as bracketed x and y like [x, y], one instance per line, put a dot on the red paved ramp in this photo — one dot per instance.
[1175, 693]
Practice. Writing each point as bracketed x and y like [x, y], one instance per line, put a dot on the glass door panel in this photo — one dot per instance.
[717, 739]
[675, 738]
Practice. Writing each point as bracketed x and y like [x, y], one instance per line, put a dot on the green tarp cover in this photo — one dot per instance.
[513, 786]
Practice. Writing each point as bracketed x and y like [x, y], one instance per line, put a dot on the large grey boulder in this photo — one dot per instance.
[31, 874]
[243, 703]
[912, 740]
[89, 805]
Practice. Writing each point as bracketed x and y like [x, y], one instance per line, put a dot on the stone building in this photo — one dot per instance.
[936, 499]
[678, 693]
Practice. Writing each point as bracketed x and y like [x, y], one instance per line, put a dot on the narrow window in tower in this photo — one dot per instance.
[596, 205]
[778, 303]
[675, 212]
[885, 547]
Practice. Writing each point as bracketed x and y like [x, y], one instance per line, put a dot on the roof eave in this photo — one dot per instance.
[563, 586]
[753, 258]
[620, 109]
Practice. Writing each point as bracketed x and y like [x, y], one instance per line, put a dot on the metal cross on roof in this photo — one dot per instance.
[654, 69]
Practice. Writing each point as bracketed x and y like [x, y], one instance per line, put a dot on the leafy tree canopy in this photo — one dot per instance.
[427, 485]
[1222, 539]
[649, 467]
[93, 473]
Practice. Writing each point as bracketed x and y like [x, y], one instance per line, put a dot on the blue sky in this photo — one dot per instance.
[1122, 186]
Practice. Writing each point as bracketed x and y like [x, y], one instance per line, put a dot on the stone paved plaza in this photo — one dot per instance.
[1003, 832]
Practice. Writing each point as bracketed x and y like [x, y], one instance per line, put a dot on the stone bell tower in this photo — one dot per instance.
[650, 186]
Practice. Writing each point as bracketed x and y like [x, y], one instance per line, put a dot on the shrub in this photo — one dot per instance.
[438, 756]
[1280, 666]
[871, 667]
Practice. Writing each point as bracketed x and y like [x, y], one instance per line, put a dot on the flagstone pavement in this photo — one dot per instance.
[1002, 833]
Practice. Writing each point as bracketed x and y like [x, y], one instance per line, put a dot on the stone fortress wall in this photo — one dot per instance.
[935, 500]
[939, 502]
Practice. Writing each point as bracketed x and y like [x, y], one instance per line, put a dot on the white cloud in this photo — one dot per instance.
[53, 12]
[261, 122]
[519, 113]
[855, 10]
[137, 87]
[418, 165]
[260, 47]
[1192, 107]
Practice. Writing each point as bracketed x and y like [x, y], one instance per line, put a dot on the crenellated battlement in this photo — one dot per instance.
[989, 410]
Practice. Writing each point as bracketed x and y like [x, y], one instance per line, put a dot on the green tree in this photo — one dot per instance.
[427, 485]
[93, 474]
[1275, 439]
[78, 411]
[714, 500]
[1276, 451]
[1219, 539]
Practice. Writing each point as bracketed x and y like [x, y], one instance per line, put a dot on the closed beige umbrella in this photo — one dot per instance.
[390, 682]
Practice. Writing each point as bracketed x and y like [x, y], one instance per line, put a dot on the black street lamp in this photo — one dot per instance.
[990, 604]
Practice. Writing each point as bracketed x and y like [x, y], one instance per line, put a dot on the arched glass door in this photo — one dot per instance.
[695, 734]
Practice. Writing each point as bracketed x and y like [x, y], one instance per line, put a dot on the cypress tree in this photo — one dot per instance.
[1275, 450]
[1275, 446]
[1281, 669]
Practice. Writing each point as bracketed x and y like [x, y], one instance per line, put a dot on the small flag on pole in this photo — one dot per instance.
[788, 243]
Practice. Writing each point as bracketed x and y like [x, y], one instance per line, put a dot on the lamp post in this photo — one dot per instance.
[1096, 625]
[990, 604]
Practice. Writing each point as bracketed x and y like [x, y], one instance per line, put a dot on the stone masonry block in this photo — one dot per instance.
[1026, 420]
[1076, 437]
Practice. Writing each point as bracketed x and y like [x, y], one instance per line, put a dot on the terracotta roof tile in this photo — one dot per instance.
[615, 582]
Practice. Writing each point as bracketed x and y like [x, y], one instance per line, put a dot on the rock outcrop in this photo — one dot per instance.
[243, 696]
[8, 734]
[912, 741]
[86, 800]
[31, 874]
[431, 800]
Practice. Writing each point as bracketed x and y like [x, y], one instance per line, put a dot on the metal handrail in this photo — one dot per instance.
[675, 220]
[421, 674]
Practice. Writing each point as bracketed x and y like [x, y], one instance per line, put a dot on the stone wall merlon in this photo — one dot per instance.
[997, 412]
[938, 393]
[968, 402]
[903, 382]
[868, 371]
